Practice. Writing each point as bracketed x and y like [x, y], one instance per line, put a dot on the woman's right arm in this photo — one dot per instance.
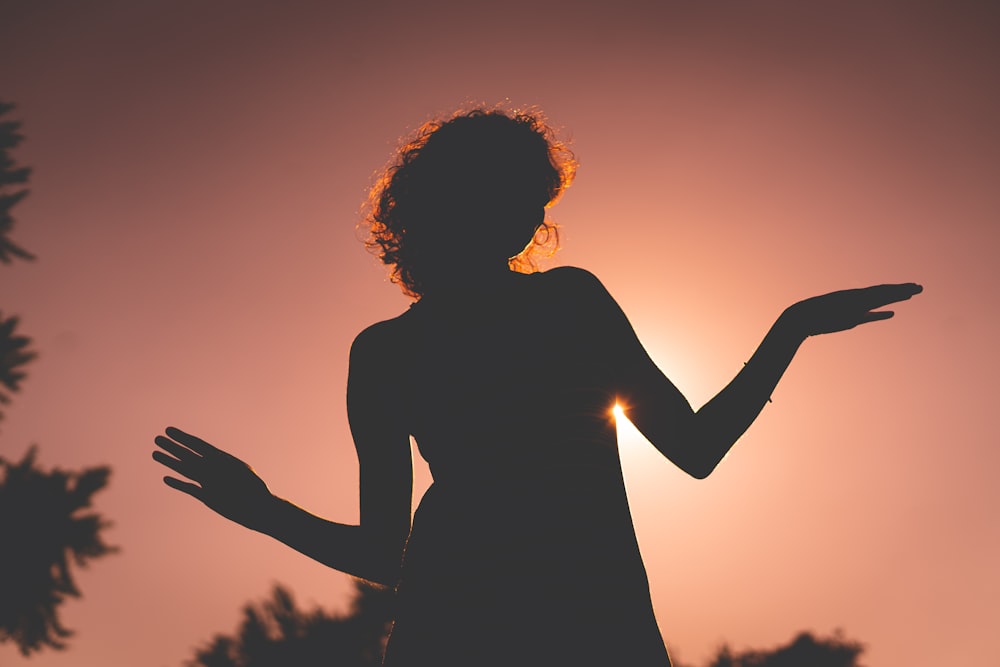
[371, 550]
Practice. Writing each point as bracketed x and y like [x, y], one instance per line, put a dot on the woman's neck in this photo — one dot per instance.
[479, 281]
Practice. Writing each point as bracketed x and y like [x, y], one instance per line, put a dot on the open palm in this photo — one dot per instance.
[224, 483]
[846, 309]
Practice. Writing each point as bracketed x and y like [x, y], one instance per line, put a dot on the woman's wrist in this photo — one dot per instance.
[790, 328]
[267, 515]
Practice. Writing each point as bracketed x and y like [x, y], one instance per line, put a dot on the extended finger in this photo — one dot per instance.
[881, 295]
[192, 490]
[178, 466]
[902, 291]
[173, 448]
[877, 315]
[193, 442]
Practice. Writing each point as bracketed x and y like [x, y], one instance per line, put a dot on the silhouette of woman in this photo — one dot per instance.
[522, 551]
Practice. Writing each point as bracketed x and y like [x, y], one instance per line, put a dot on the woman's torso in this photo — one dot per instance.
[526, 525]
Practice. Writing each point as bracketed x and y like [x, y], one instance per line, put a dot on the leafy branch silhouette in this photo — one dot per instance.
[10, 174]
[13, 347]
[13, 356]
[44, 530]
[278, 632]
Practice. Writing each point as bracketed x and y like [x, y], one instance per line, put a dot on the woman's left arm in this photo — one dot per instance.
[696, 441]
[717, 426]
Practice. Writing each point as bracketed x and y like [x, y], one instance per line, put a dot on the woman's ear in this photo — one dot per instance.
[539, 217]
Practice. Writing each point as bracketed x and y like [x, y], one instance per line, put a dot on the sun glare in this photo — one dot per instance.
[618, 412]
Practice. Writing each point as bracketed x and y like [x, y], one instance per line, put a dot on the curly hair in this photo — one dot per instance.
[482, 177]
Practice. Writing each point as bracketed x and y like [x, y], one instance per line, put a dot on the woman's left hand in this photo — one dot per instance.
[846, 309]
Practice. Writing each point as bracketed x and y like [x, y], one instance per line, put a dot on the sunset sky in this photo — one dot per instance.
[198, 173]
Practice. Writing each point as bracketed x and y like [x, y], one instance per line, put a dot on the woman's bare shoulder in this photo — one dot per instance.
[574, 281]
[570, 274]
[380, 339]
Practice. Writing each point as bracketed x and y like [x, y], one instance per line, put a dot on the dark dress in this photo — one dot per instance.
[522, 551]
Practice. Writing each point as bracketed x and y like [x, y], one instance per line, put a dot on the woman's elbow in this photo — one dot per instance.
[387, 579]
[699, 470]
[385, 573]
[690, 458]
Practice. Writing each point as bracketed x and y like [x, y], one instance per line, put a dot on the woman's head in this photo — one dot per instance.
[467, 191]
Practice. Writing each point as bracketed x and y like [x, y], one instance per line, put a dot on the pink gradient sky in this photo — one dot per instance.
[198, 170]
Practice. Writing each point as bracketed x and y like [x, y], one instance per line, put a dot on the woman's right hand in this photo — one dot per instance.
[224, 483]
[846, 309]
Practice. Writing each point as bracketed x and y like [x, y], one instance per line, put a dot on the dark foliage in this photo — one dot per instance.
[13, 356]
[13, 348]
[10, 174]
[43, 529]
[276, 632]
[803, 651]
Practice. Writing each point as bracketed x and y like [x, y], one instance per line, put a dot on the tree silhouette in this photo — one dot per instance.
[13, 347]
[13, 355]
[277, 632]
[43, 528]
[42, 524]
[803, 651]
[10, 174]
